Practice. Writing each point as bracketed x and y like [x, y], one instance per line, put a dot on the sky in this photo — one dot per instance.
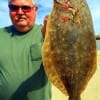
[45, 7]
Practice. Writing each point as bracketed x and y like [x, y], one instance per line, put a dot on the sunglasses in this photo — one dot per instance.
[24, 8]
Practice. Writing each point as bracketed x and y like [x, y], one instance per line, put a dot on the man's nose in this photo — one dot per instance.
[20, 11]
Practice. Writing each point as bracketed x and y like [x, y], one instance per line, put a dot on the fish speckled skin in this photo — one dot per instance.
[69, 49]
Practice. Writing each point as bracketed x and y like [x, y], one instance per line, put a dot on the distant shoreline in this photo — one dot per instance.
[97, 37]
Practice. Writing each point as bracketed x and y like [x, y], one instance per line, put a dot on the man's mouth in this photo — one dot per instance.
[20, 18]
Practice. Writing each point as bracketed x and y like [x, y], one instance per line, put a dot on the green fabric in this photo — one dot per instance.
[22, 76]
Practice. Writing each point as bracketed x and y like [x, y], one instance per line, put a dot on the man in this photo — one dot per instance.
[22, 76]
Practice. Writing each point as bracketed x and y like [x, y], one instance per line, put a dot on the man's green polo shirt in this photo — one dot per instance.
[22, 76]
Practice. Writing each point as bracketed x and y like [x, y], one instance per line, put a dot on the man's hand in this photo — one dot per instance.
[44, 26]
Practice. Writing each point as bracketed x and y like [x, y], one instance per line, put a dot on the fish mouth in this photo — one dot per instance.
[66, 4]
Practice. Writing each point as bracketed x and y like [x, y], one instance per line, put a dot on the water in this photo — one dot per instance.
[98, 44]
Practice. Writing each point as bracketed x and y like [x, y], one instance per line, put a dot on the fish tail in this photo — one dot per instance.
[75, 97]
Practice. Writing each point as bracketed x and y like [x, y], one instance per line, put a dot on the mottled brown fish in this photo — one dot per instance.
[69, 49]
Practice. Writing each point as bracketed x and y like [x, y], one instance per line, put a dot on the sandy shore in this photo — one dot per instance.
[92, 91]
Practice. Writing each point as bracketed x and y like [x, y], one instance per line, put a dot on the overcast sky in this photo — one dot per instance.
[45, 7]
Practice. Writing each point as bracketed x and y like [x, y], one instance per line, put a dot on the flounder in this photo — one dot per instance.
[69, 48]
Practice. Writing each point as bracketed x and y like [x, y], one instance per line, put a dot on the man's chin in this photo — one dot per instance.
[21, 24]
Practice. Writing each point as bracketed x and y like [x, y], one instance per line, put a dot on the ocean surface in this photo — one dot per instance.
[98, 44]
